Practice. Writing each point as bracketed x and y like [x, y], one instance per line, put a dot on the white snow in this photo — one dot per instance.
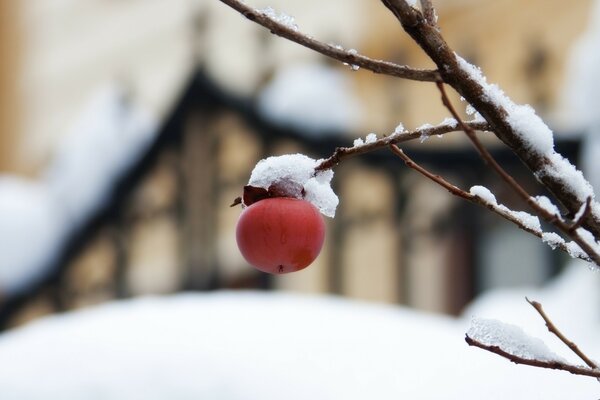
[510, 338]
[560, 168]
[450, 122]
[536, 136]
[529, 221]
[552, 239]
[312, 97]
[371, 138]
[527, 124]
[250, 345]
[295, 174]
[37, 217]
[483, 193]
[546, 204]
[30, 229]
[109, 137]
[281, 17]
[353, 67]
[399, 128]
[532, 222]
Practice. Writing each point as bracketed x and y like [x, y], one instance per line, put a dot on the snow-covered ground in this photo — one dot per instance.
[251, 345]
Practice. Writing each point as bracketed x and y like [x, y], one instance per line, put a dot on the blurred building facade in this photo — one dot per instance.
[397, 238]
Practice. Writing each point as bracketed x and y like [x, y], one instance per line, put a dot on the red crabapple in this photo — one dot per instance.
[280, 234]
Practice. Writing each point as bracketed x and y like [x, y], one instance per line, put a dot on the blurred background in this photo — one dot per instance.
[128, 127]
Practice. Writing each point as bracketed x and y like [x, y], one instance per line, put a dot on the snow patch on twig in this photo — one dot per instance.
[511, 339]
[524, 218]
[280, 17]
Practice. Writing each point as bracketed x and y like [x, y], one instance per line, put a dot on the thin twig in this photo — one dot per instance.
[336, 52]
[455, 190]
[503, 212]
[342, 153]
[586, 211]
[486, 155]
[553, 329]
[553, 219]
[574, 369]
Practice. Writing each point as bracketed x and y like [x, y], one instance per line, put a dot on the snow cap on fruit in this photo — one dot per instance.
[292, 175]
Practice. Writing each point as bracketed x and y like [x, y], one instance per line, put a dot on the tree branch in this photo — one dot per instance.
[574, 369]
[336, 52]
[553, 329]
[555, 220]
[472, 89]
[342, 153]
[500, 210]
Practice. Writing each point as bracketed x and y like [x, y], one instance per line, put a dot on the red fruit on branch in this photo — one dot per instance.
[280, 234]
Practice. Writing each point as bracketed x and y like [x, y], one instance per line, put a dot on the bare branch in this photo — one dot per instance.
[336, 52]
[455, 190]
[574, 369]
[342, 153]
[553, 329]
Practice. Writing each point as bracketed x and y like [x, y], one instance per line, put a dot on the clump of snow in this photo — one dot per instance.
[483, 193]
[371, 138]
[353, 66]
[452, 122]
[527, 220]
[475, 116]
[424, 136]
[527, 124]
[295, 175]
[314, 98]
[399, 128]
[552, 239]
[560, 168]
[546, 204]
[575, 251]
[510, 338]
[282, 18]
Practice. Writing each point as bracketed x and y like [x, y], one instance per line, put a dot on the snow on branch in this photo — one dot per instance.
[584, 244]
[281, 26]
[511, 342]
[517, 126]
[399, 136]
